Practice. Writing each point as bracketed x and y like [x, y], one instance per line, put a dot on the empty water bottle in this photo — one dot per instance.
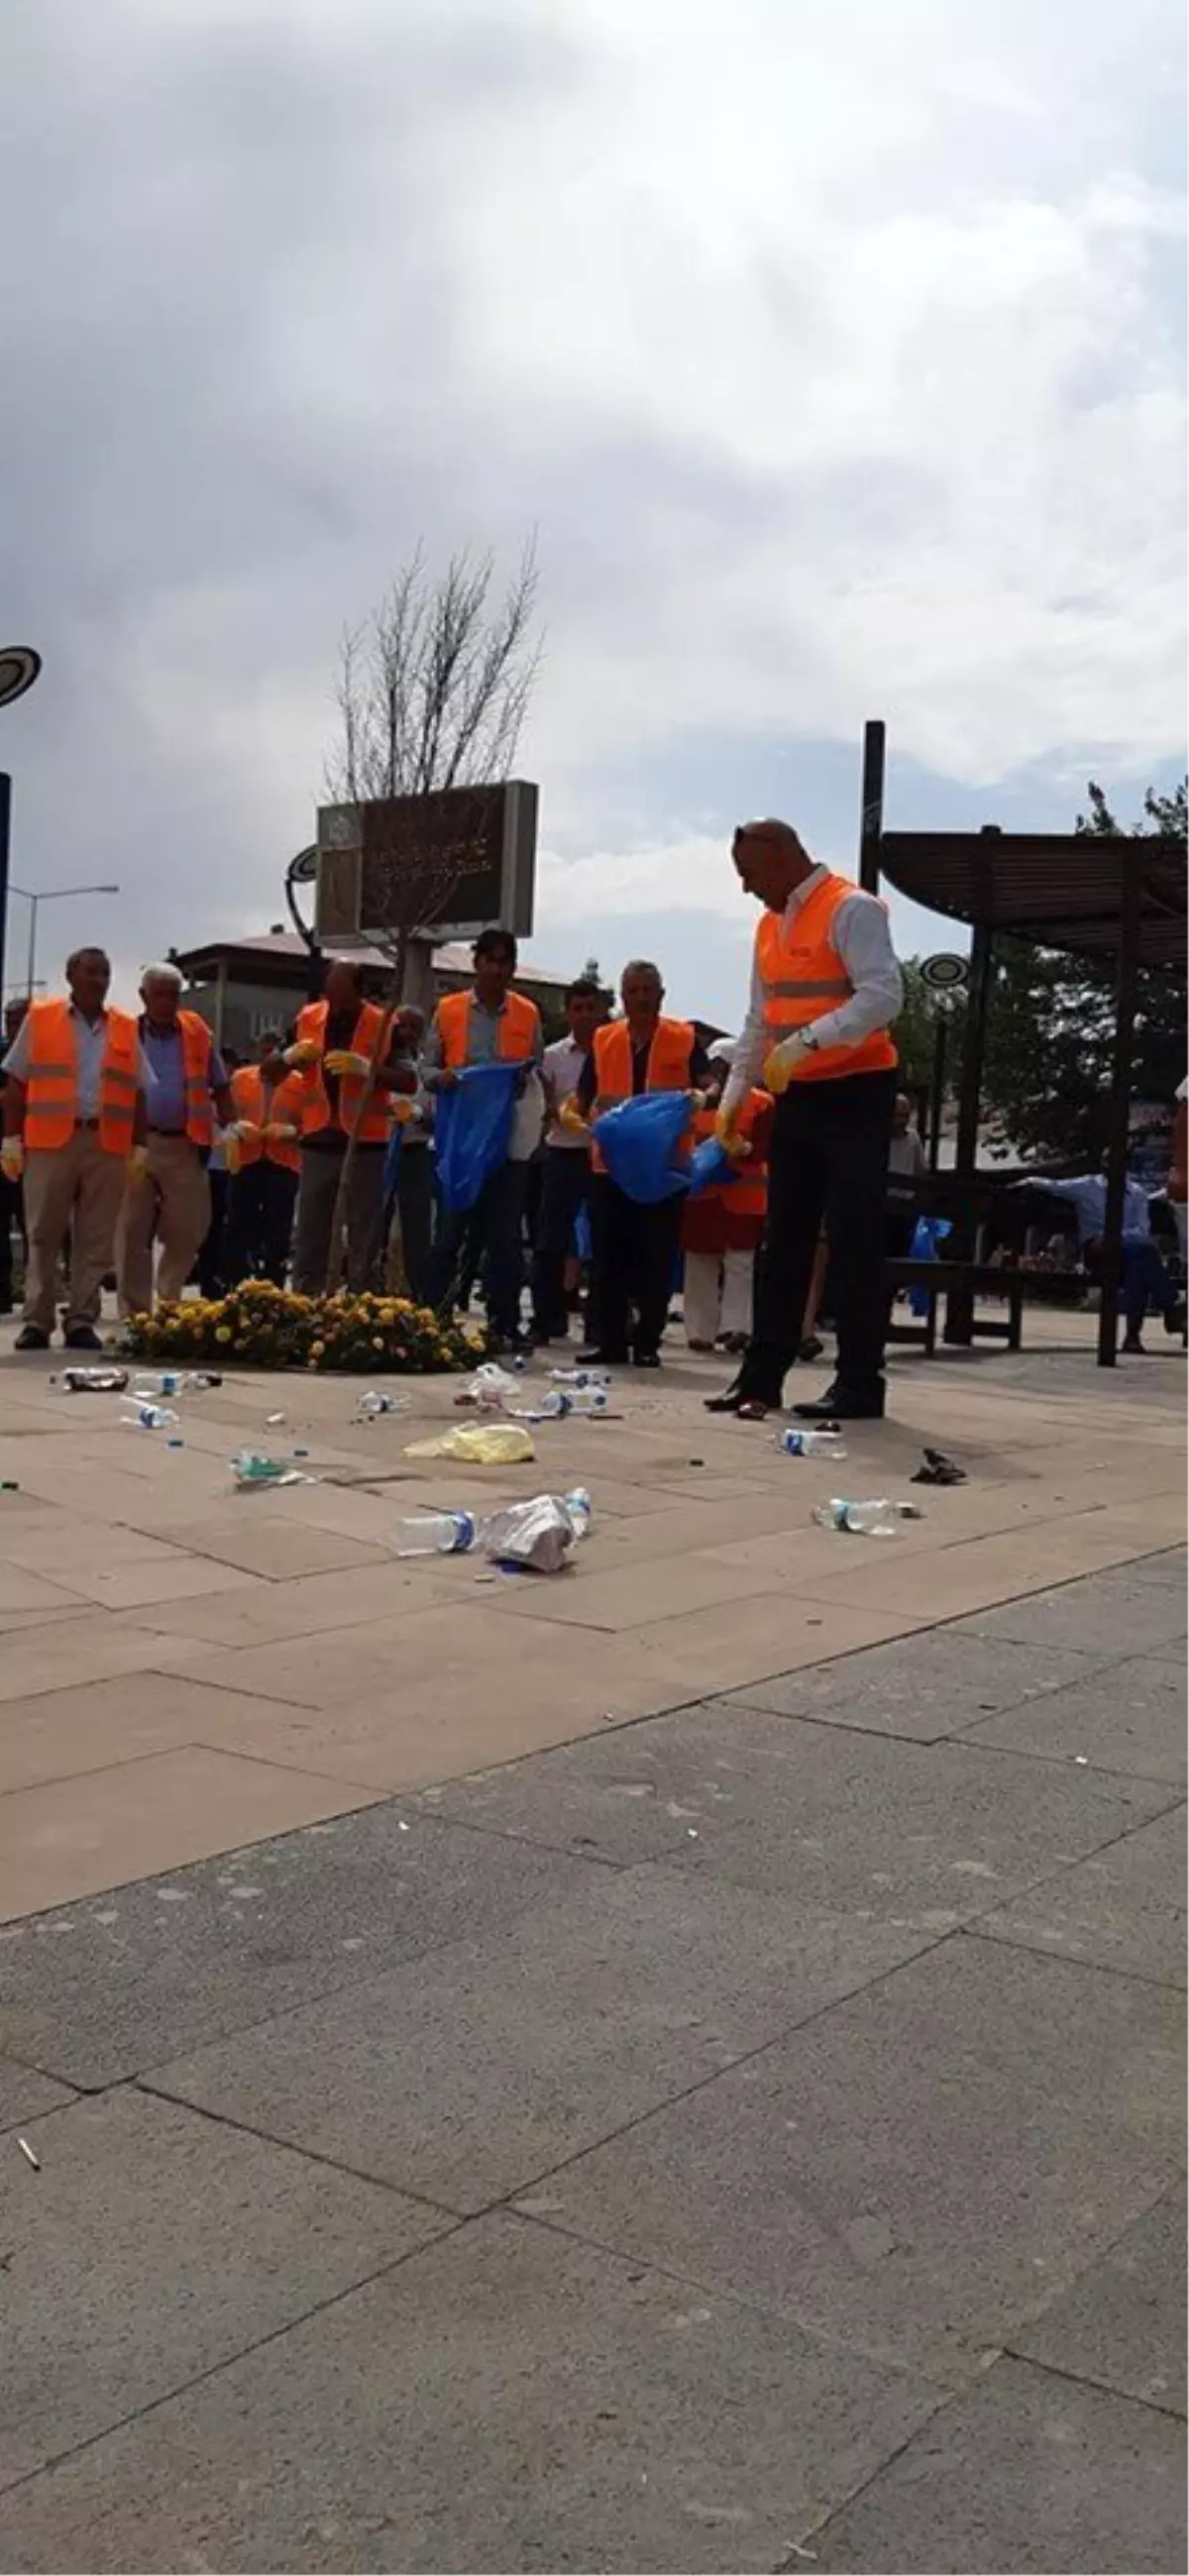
[373, 1403]
[437, 1534]
[580, 1377]
[562, 1400]
[811, 1444]
[250, 1467]
[94, 1381]
[150, 1417]
[878, 1519]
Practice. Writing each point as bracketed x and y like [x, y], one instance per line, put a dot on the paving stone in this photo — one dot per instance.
[909, 2172]
[503, 2400]
[1126, 1717]
[1027, 2472]
[924, 1835]
[478, 2069]
[922, 1687]
[1122, 1908]
[103, 1988]
[1123, 2323]
[1108, 1615]
[153, 2245]
[24, 2093]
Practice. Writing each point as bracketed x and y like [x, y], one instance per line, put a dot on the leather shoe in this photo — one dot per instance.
[744, 1400]
[845, 1404]
[82, 1337]
[31, 1338]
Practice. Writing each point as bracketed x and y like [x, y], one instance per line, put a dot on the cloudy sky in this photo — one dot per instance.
[835, 354]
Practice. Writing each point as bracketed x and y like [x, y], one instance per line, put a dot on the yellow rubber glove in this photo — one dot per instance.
[782, 1063]
[12, 1158]
[137, 1164]
[279, 1131]
[403, 1108]
[247, 1132]
[570, 1116]
[303, 1052]
[344, 1060]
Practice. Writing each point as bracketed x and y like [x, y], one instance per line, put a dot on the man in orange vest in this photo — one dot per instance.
[825, 990]
[74, 1125]
[489, 1025]
[350, 1066]
[189, 1090]
[635, 1248]
[263, 1147]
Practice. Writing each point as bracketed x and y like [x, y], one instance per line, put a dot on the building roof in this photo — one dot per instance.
[278, 950]
[1061, 889]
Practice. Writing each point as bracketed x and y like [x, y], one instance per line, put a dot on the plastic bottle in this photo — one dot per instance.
[580, 1377]
[437, 1534]
[249, 1467]
[94, 1381]
[167, 1383]
[811, 1444]
[151, 1417]
[561, 1400]
[879, 1519]
[373, 1403]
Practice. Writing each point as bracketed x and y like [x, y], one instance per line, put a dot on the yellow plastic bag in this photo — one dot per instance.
[488, 1444]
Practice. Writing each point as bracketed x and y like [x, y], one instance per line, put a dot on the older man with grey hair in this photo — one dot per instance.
[189, 1091]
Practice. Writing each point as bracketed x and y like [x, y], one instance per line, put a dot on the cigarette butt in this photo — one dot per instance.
[27, 2152]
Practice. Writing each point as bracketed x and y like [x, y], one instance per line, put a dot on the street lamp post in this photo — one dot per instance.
[50, 894]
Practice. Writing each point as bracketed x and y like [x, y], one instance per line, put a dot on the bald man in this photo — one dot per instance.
[825, 990]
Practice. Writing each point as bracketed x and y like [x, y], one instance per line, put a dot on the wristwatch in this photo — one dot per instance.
[808, 1040]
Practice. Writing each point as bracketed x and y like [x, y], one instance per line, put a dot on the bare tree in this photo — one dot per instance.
[432, 692]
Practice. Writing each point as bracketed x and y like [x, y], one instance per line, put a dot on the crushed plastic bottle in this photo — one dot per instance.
[879, 1519]
[373, 1403]
[580, 1377]
[533, 1537]
[562, 1400]
[93, 1381]
[811, 1444]
[250, 1468]
[437, 1534]
[489, 1389]
[150, 1417]
[203, 1380]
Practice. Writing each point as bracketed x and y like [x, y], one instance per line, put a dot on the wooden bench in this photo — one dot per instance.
[978, 1278]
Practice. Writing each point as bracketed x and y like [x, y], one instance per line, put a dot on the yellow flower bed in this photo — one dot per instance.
[267, 1327]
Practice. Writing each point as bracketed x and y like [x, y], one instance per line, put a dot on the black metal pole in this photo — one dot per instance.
[5, 835]
[871, 817]
[959, 1313]
[1126, 980]
[937, 1090]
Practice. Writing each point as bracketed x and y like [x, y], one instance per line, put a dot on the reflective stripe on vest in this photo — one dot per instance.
[371, 1038]
[51, 1088]
[802, 976]
[517, 1028]
[668, 1064]
[283, 1102]
[196, 1066]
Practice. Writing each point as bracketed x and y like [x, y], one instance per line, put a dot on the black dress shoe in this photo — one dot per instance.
[592, 1355]
[845, 1404]
[646, 1359]
[31, 1338]
[82, 1337]
[745, 1400]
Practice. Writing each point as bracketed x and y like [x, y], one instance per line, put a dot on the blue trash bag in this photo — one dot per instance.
[472, 1128]
[392, 1164]
[927, 1234]
[638, 1142]
[583, 1241]
[710, 1165]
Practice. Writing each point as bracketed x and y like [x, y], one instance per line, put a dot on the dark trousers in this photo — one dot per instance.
[12, 1212]
[565, 1189]
[209, 1265]
[411, 1210]
[828, 1161]
[635, 1249]
[492, 1228]
[259, 1228]
[1143, 1279]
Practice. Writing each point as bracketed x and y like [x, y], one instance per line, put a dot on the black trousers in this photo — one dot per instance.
[492, 1230]
[414, 1214]
[828, 1160]
[209, 1265]
[565, 1189]
[635, 1249]
[12, 1210]
[259, 1225]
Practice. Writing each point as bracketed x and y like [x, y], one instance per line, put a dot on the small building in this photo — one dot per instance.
[248, 988]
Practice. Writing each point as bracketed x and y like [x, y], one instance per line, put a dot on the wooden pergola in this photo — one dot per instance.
[1092, 895]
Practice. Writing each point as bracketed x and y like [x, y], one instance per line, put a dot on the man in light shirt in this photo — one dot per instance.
[825, 989]
[565, 1187]
[1143, 1279]
[74, 1125]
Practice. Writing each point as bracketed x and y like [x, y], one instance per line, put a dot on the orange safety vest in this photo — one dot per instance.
[748, 1194]
[196, 1066]
[668, 1064]
[371, 1037]
[257, 1102]
[51, 1085]
[518, 1030]
[802, 977]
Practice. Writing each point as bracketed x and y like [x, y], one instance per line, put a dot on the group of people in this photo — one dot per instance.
[149, 1152]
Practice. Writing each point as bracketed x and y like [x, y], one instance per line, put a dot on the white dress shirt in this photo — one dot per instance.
[863, 939]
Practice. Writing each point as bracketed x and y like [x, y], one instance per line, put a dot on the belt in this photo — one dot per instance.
[167, 1131]
[85, 1122]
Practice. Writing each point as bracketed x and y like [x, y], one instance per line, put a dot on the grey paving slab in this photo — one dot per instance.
[1114, 1613]
[24, 2093]
[506, 2400]
[473, 2071]
[1126, 1717]
[102, 1988]
[922, 1836]
[154, 2244]
[1123, 2323]
[1171, 1567]
[923, 1687]
[1122, 1908]
[1027, 2472]
[910, 2172]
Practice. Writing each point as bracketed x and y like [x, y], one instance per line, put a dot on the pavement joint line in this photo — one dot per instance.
[974, 1931]
[793, 2564]
[1081, 2379]
[966, 1742]
[220, 2119]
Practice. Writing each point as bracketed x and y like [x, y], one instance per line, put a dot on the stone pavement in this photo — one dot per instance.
[675, 2067]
